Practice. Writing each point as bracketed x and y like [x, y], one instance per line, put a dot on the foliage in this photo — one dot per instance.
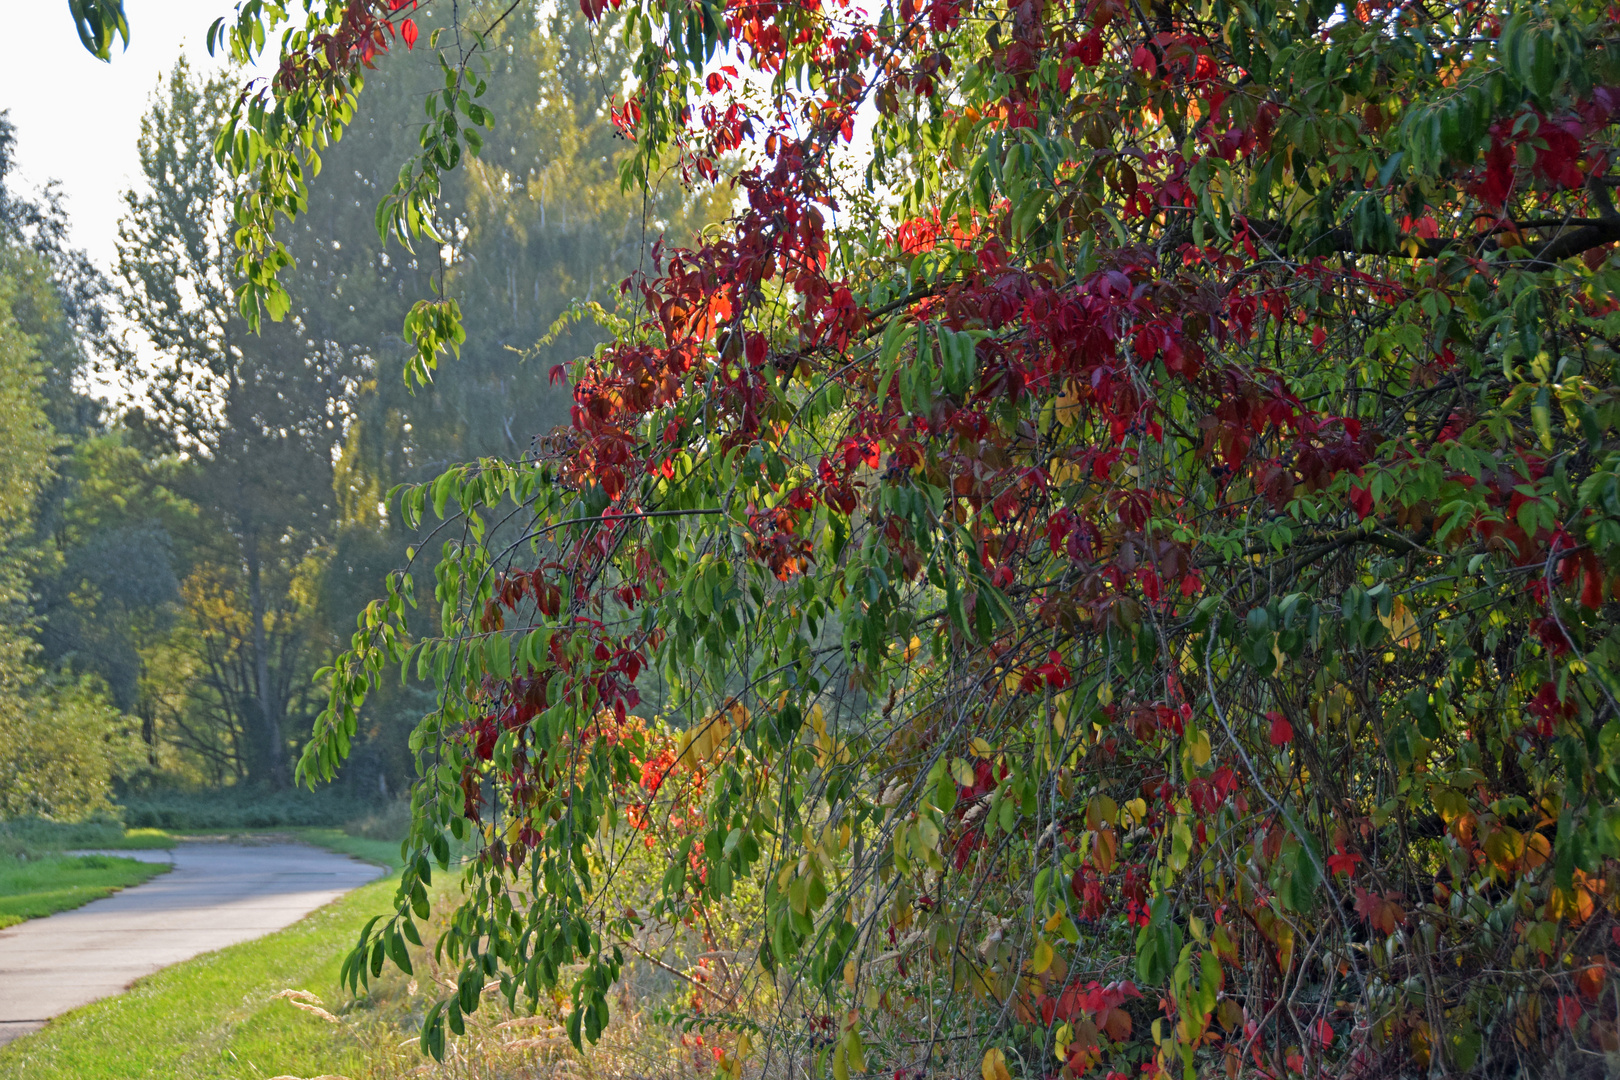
[70, 313]
[98, 22]
[536, 224]
[35, 888]
[30, 837]
[1132, 554]
[241, 806]
[60, 743]
[258, 414]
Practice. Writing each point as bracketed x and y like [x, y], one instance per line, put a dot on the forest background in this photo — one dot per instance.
[176, 567]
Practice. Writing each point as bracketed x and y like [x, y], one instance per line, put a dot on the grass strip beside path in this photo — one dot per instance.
[219, 1015]
[42, 886]
[31, 836]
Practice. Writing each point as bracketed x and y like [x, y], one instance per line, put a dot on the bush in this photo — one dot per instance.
[30, 836]
[61, 744]
[243, 807]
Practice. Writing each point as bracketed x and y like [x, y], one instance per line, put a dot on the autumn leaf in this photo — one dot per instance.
[1282, 732]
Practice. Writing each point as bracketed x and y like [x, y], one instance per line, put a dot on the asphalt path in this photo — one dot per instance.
[218, 894]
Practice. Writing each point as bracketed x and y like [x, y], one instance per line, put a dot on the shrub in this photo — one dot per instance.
[243, 807]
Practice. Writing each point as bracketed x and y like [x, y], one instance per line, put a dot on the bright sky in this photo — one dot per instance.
[77, 118]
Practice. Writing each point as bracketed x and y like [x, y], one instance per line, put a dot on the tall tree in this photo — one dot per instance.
[77, 317]
[61, 744]
[538, 226]
[259, 413]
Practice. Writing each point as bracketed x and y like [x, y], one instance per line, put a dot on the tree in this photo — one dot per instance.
[533, 233]
[76, 314]
[1174, 529]
[61, 744]
[260, 413]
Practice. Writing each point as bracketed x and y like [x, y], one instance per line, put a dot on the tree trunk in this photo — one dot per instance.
[275, 758]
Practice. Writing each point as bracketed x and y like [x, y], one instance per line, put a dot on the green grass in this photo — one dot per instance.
[31, 836]
[225, 1014]
[218, 1015]
[141, 840]
[381, 852]
[42, 886]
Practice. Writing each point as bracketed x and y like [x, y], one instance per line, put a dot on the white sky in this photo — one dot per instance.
[77, 118]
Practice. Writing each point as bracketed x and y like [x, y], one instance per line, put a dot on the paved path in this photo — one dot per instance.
[216, 895]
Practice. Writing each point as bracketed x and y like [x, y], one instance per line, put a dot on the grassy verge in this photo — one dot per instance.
[31, 836]
[35, 887]
[218, 1015]
[274, 1008]
[383, 853]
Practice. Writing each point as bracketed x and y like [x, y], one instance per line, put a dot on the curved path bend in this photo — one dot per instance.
[218, 894]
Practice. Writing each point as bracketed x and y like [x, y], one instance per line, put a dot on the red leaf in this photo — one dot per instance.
[1323, 1032]
[1090, 50]
[1498, 173]
[1344, 862]
[1143, 60]
[1282, 732]
[407, 30]
[1591, 581]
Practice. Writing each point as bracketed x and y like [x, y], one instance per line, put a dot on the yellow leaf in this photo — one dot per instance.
[1068, 405]
[1401, 625]
[981, 748]
[962, 772]
[1105, 694]
[1137, 808]
[1042, 958]
[1198, 748]
[995, 1065]
[1054, 922]
[1064, 472]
